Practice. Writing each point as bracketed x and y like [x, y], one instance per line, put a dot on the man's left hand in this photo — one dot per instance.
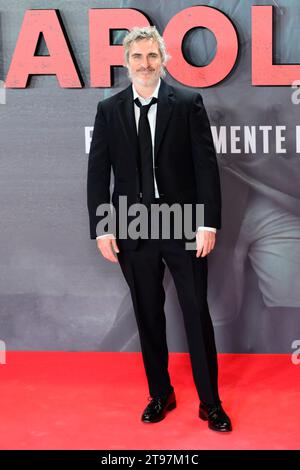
[205, 240]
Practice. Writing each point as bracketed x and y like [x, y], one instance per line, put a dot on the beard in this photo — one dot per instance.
[151, 80]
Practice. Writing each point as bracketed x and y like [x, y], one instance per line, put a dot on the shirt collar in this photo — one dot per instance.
[154, 94]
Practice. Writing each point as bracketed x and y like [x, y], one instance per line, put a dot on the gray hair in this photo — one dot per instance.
[146, 32]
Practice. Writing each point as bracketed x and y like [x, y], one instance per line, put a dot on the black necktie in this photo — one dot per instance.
[146, 158]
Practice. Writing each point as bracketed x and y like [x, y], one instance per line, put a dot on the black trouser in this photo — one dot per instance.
[143, 270]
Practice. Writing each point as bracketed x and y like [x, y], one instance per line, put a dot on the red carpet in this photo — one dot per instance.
[56, 400]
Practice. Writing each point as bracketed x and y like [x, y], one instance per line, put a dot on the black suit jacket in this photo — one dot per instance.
[186, 168]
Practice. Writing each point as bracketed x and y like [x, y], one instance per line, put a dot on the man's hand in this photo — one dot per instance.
[205, 242]
[108, 247]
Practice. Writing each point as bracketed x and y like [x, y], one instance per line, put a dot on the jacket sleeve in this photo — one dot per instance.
[205, 164]
[99, 169]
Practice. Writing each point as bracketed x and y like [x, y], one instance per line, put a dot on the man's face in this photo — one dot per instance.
[144, 62]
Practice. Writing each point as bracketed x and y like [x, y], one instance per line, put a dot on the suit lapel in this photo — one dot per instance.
[164, 110]
[127, 118]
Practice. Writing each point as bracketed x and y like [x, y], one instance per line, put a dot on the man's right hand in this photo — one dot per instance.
[108, 246]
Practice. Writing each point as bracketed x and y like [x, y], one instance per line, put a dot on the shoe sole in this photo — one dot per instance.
[170, 407]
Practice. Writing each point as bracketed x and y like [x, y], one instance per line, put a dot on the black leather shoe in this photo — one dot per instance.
[216, 417]
[158, 407]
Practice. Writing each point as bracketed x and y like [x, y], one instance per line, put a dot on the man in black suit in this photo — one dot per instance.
[158, 142]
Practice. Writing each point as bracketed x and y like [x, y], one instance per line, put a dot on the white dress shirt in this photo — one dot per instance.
[152, 122]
